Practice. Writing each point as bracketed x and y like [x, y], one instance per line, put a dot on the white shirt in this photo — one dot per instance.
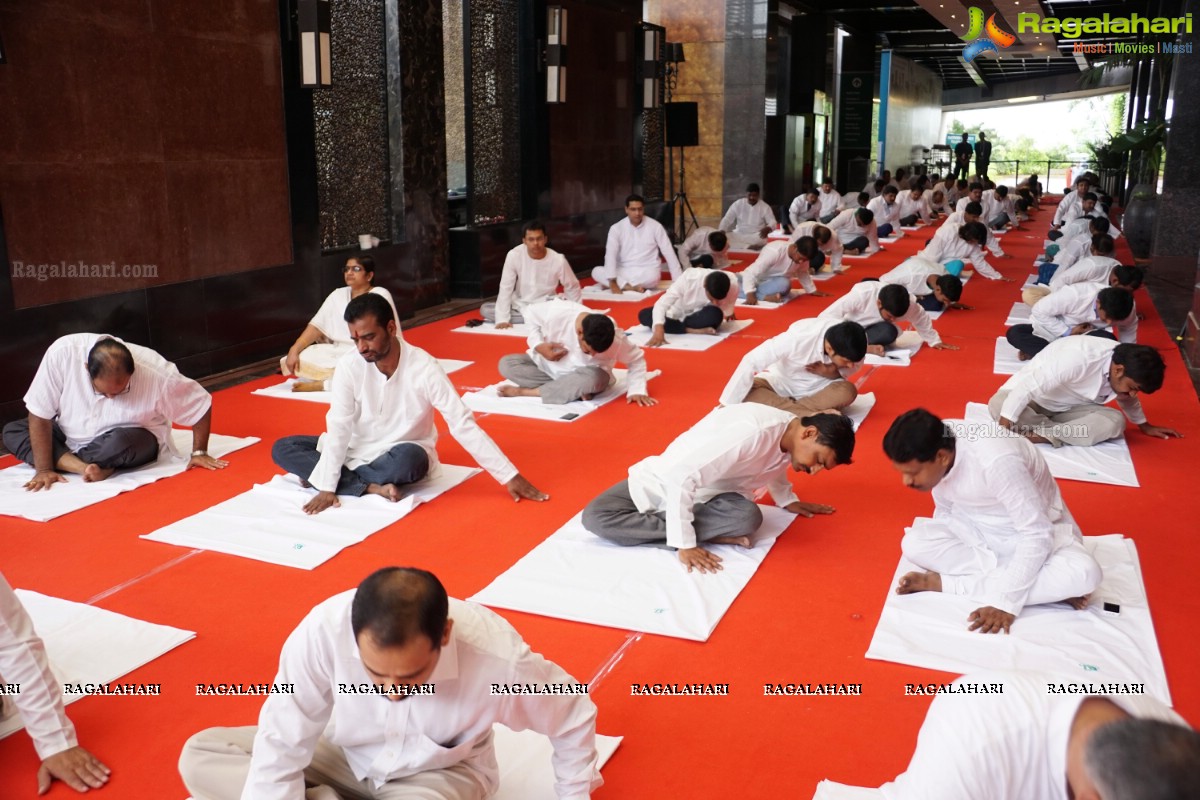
[1081, 224]
[949, 230]
[944, 206]
[732, 449]
[330, 318]
[846, 227]
[885, 212]
[993, 205]
[23, 662]
[1073, 249]
[748, 219]
[909, 207]
[913, 274]
[833, 248]
[384, 740]
[1068, 208]
[774, 261]
[1069, 372]
[952, 246]
[861, 305]
[696, 245]
[525, 281]
[686, 296]
[1000, 487]
[1002, 746]
[800, 210]
[1092, 269]
[1076, 304]
[555, 322]
[638, 249]
[782, 362]
[830, 201]
[987, 203]
[158, 395]
[371, 413]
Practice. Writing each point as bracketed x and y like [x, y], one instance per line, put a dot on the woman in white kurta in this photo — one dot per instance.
[326, 338]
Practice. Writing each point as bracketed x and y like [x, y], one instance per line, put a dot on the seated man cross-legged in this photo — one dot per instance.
[571, 357]
[379, 433]
[1000, 533]
[700, 489]
[697, 302]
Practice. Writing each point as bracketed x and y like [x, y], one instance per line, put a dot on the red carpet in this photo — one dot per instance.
[807, 616]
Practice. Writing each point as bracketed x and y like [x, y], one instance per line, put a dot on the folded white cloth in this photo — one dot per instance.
[858, 410]
[63, 498]
[526, 772]
[899, 353]
[488, 401]
[929, 629]
[284, 391]
[1007, 359]
[518, 329]
[268, 523]
[577, 576]
[640, 334]
[597, 292]
[88, 645]
[1020, 314]
[769, 305]
[829, 790]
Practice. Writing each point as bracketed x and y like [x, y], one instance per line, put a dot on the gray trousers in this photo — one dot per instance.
[119, 448]
[488, 312]
[1081, 426]
[613, 516]
[524, 372]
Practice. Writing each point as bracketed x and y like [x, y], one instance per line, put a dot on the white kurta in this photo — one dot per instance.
[830, 201]
[371, 413]
[555, 323]
[748, 220]
[686, 296]
[913, 274]
[845, 226]
[1068, 208]
[23, 662]
[1069, 372]
[909, 207]
[1002, 746]
[774, 261]
[1092, 269]
[801, 211]
[861, 305]
[832, 249]
[951, 247]
[732, 449]
[1076, 304]
[384, 740]
[330, 318]
[885, 212]
[696, 245]
[525, 281]
[782, 361]
[949, 230]
[158, 395]
[632, 255]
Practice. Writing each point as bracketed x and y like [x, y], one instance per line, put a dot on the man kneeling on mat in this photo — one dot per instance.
[393, 696]
[1000, 534]
[379, 433]
[700, 489]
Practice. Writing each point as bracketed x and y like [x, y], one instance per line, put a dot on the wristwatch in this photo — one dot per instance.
[199, 453]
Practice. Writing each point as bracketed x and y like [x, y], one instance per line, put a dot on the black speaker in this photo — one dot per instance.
[683, 125]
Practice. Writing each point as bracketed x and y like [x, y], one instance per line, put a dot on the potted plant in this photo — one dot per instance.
[1144, 147]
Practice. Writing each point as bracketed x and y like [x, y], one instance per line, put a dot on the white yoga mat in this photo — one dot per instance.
[768, 305]
[929, 629]
[283, 391]
[1006, 361]
[911, 227]
[858, 410]
[63, 498]
[267, 523]
[489, 328]
[1019, 314]
[895, 237]
[900, 353]
[488, 401]
[577, 576]
[829, 790]
[861, 255]
[596, 292]
[1108, 462]
[85, 644]
[1030, 281]
[640, 334]
[524, 761]
[824, 276]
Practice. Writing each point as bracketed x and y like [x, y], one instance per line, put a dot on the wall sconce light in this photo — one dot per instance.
[556, 54]
[651, 68]
[315, 60]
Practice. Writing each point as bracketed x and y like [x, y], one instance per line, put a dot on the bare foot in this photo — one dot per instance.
[1023, 356]
[587, 397]
[388, 491]
[915, 582]
[515, 391]
[93, 473]
[629, 288]
[740, 541]
[774, 298]
[709, 331]
[875, 349]
[1078, 603]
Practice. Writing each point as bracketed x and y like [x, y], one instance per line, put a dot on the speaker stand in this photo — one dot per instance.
[681, 199]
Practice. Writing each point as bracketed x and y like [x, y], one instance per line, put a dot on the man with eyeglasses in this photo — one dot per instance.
[98, 404]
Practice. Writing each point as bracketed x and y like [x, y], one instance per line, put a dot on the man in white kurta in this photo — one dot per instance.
[379, 432]
[770, 276]
[532, 273]
[879, 310]
[886, 211]
[1027, 735]
[698, 302]
[360, 727]
[1060, 396]
[572, 354]
[829, 244]
[1000, 533]
[1078, 309]
[831, 202]
[39, 701]
[929, 282]
[954, 221]
[635, 250]
[963, 243]
[805, 208]
[855, 227]
[705, 247]
[749, 221]
[701, 488]
[1097, 267]
[98, 404]
[803, 370]
[914, 205]
[1070, 205]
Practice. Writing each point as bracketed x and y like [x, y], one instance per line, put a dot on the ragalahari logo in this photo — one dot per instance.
[983, 37]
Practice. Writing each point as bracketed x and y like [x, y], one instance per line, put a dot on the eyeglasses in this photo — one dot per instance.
[98, 393]
[353, 268]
